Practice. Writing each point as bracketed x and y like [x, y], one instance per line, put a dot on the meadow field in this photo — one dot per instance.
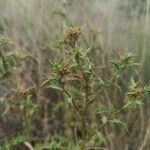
[74, 75]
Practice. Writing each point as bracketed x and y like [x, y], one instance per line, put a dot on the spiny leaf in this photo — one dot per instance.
[104, 120]
[100, 81]
[146, 90]
[119, 122]
[106, 109]
[69, 99]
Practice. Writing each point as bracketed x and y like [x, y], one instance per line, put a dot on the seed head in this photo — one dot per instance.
[72, 34]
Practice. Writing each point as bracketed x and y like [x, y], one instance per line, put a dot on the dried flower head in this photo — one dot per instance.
[21, 90]
[64, 70]
[72, 34]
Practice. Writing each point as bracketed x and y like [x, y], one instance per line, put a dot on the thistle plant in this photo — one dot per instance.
[76, 77]
[17, 99]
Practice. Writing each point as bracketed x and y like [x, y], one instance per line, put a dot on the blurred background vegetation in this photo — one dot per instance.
[30, 31]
